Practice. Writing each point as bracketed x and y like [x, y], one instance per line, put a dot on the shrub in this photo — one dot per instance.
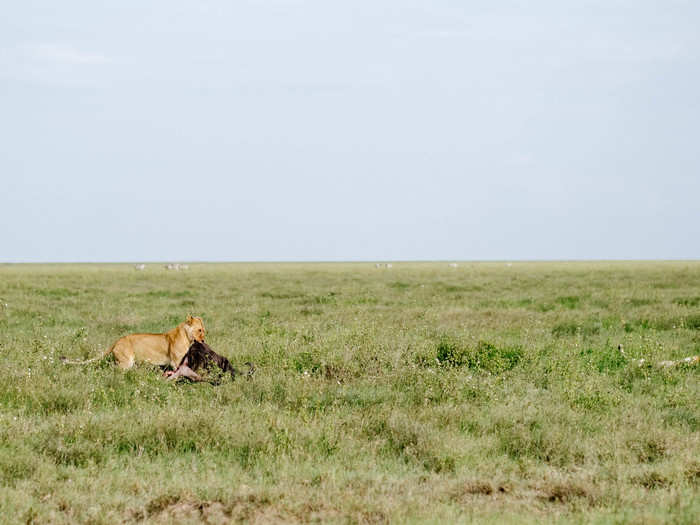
[569, 301]
[449, 352]
[659, 323]
[687, 301]
[651, 480]
[640, 301]
[485, 356]
[537, 439]
[648, 450]
[610, 360]
[411, 443]
[306, 362]
[329, 298]
[494, 359]
[564, 329]
[16, 464]
[693, 322]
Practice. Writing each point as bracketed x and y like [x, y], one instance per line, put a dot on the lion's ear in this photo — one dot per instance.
[189, 319]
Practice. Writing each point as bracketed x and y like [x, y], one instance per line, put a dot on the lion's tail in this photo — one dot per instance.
[67, 361]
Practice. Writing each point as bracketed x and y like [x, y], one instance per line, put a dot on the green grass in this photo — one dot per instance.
[485, 393]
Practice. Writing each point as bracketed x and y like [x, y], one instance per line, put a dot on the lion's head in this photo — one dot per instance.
[194, 326]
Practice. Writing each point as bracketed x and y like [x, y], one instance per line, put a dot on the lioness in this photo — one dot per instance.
[160, 349]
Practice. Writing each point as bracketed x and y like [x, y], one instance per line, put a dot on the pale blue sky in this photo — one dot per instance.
[370, 130]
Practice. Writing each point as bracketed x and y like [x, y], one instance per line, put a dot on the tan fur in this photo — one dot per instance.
[158, 349]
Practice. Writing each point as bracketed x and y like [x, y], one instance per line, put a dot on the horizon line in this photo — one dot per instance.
[358, 261]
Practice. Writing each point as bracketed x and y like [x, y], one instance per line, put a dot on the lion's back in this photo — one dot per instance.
[149, 347]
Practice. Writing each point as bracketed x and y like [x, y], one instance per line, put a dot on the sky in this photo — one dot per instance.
[295, 130]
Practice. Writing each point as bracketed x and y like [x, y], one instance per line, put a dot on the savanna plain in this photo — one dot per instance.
[486, 392]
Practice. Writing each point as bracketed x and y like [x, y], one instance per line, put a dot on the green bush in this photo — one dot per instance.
[687, 301]
[484, 356]
[693, 322]
[449, 352]
[610, 360]
[569, 301]
[306, 362]
[564, 329]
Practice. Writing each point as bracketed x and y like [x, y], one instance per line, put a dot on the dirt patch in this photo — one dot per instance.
[170, 508]
[483, 488]
[468, 489]
[566, 492]
[372, 517]
[692, 473]
[651, 480]
[336, 373]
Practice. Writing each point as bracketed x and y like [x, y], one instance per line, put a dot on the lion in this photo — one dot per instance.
[159, 349]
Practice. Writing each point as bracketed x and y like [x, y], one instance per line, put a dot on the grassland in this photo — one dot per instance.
[484, 393]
